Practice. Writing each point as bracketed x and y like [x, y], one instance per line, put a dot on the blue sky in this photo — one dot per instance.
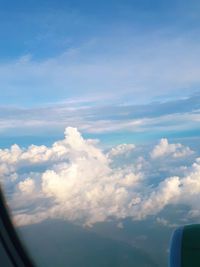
[108, 62]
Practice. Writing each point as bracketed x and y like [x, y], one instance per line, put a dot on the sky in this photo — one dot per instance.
[76, 45]
[100, 112]
[107, 68]
[118, 72]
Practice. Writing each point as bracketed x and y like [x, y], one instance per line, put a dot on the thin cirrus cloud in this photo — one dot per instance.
[76, 180]
[138, 53]
[132, 72]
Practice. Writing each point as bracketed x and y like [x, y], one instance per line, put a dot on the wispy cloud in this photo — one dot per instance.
[175, 116]
[120, 72]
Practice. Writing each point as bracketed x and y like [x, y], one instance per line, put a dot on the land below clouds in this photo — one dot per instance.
[56, 243]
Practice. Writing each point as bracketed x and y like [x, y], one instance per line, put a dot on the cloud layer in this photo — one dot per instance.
[76, 180]
[166, 118]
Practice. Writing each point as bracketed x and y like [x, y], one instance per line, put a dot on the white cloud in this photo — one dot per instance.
[166, 149]
[78, 178]
[77, 182]
[86, 72]
[123, 149]
[166, 193]
[27, 186]
[175, 190]
[87, 187]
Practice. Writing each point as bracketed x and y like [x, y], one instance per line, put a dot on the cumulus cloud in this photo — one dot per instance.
[75, 180]
[122, 149]
[174, 150]
[179, 190]
[166, 193]
[27, 186]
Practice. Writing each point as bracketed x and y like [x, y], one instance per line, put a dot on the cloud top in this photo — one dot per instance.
[173, 150]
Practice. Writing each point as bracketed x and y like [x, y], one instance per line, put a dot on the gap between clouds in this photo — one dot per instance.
[77, 181]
